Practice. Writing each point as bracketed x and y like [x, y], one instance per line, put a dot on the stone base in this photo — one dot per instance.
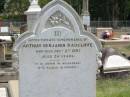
[14, 88]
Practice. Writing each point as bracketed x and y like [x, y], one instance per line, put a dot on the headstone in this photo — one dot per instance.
[114, 62]
[57, 60]
[3, 92]
[125, 37]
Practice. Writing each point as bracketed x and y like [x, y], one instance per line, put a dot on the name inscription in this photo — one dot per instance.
[58, 53]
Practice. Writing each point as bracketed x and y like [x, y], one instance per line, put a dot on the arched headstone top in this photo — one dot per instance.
[59, 13]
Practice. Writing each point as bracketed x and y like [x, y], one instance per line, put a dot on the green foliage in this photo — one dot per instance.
[16, 8]
[99, 9]
[77, 4]
[113, 87]
[128, 47]
[2, 2]
[43, 2]
[109, 9]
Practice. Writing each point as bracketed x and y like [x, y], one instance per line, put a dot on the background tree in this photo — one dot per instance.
[76, 4]
[2, 2]
[104, 10]
[43, 2]
[16, 8]
[109, 9]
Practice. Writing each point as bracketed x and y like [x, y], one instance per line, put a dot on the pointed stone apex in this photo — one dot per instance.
[34, 7]
[56, 0]
[33, 2]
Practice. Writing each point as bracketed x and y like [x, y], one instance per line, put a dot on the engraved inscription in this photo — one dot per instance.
[58, 53]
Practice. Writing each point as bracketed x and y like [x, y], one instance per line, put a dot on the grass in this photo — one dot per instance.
[125, 49]
[113, 87]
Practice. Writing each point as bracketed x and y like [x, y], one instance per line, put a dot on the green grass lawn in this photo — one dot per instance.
[113, 87]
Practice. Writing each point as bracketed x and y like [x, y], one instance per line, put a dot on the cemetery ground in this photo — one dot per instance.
[113, 87]
[108, 86]
[117, 85]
